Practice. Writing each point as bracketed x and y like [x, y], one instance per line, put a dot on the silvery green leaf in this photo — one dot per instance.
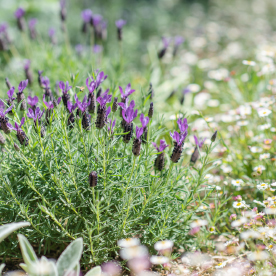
[74, 272]
[95, 271]
[7, 229]
[1, 268]
[70, 257]
[24, 267]
[27, 251]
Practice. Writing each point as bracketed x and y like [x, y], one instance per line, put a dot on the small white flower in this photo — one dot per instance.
[159, 260]
[163, 245]
[259, 168]
[256, 149]
[249, 62]
[198, 223]
[258, 202]
[220, 265]
[273, 184]
[239, 222]
[129, 253]
[258, 255]
[273, 129]
[193, 87]
[270, 211]
[128, 242]
[250, 234]
[239, 204]
[263, 112]
[262, 186]
[264, 156]
[236, 182]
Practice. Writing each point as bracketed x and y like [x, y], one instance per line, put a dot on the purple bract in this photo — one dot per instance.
[162, 146]
[64, 87]
[120, 23]
[127, 92]
[129, 114]
[22, 85]
[199, 142]
[178, 138]
[32, 101]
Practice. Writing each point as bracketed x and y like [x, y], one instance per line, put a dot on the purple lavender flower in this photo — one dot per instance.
[4, 37]
[19, 13]
[120, 23]
[35, 114]
[166, 42]
[124, 106]
[10, 94]
[97, 49]
[50, 104]
[21, 135]
[178, 138]
[2, 112]
[199, 142]
[86, 15]
[4, 121]
[71, 107]
[111, 126]
[51, 34]
[71, 119]
[162, 146]
[139, 132]
[90, 86]
[27, 64]
[144, 120]
[100, 78]
[82, 105]
[3, 27]
[136, 147]
[183, 125]
[128, 91]
[22, 85]
[62, 10]
[32, 23]
[104, 99]
[32, 101]
[64, 87]
[178, 40]
[96, 19]
[129, 114]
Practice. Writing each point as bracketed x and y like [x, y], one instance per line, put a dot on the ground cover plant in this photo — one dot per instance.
[184, 164]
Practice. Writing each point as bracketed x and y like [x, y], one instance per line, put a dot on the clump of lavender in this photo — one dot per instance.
[91, 96]
[199, 143]
[144, 121]
[71, 118]
[129, 115]
[20, 95]
[178, 40]
[19, 15]
[11, 98]
[5, 125]
[124, 95]
[28, 73]
[85, 116]
[32, 23]
[159, 162]
[150, 113]
[32, 101]
[87, 18]
[119, 24]
[136, 147]
[178, 146]
[102, 111]
[36, 116]
[65, 96]
[20, 134]
[166, 42]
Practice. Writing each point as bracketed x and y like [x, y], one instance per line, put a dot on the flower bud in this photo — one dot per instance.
[92, 105]
[71, 121]
[128, 128]
[176, 154]
[214, 136]
[150, 114]
[101, 117]
[22, 138]
[195, 155]
[145, 135]
[86, 121]
[93, 179]
[8, 83]
[136, 148]
[65, 98]
[4, 121]
[115, 105]
[239, 198]
[160, 162]
[21, 98]
[233, 217]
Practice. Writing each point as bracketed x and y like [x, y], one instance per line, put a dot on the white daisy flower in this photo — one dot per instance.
[273, 129]
[236, 182]
[263, 112]
[220, 265]
[250, 234]
[264, 156]
[128, 242]
[242, 123]
[163, 245]
[159, 259]
[256, 149]
[258, 255]
[245, 110]
[265, 126]
[239, 204]
[249, 62]
[259, 168]
[262, 186]
[129, 253]
[239, 222]
[198, 223]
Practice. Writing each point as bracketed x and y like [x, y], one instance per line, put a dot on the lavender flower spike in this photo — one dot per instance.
[136, 147]
[19, 13]
[129, 115]
[100, 78]
[166, 42]
[159, 162]
[178, 40]
[179, 140]
[112, 125]
[199, 144]
[183, 125]
[5, 125]
[32, 102]
[144, 121]
[65, 88]
[71, 118]
[85, 117]
[22, 85]
[32, 23]
[20, 96]
[101, 112]
[21, 135]
[35, 115]
[119, 24]
[87, 18]
[11, 98]
[91, 96]
[128, 91]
